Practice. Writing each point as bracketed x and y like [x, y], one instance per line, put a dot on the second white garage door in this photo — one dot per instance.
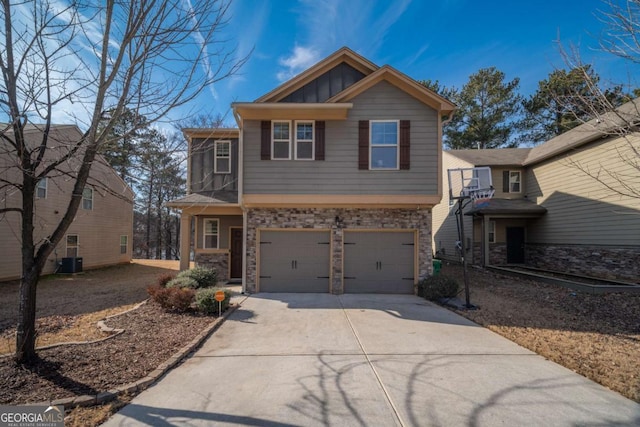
[294, 261]
[379, 262]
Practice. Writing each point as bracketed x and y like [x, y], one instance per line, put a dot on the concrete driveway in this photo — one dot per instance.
[368, 360]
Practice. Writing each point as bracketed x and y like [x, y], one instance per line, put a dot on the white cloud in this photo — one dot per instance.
[300, 59]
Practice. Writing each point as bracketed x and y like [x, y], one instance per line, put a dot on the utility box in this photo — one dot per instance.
[437, 265]
[71, 265]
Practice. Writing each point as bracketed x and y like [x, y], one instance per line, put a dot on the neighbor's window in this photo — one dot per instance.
[514, 181]
[492, 231]
[210, 238]
[124, 240]
[73, 244]
[41, 189]
[222, 163]
[384, 144]
[87, 198]
[304, 140]
[281, 140]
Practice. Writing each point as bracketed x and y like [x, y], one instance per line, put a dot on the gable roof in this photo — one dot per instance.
[492, 157]
[343, 54]
[600, 127]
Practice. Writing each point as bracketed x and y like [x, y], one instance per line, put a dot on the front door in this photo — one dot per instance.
[515, 245]
[236, 253]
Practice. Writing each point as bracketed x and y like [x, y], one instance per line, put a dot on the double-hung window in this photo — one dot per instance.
[492, 231]
[87, 199]
[281, 140]
[210, 234]
[73, 244]
[222, 161]
[384, 145]
[124, 243]
[514, 181]
[304, 140]
[41, 189]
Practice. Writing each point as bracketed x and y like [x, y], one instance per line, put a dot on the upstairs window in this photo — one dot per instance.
[41, 189]
[281, 140]
[222, 161]
[514, 181]
[384, 144]
[304, 140]
[73, 244]
[210, 235]
[87, 199]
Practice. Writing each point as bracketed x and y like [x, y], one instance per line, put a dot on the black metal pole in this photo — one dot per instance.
[463, 249]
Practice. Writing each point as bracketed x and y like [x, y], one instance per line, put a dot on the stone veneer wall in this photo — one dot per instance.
[498, 253]
[314, 218]
[604, 262]
[217, 261]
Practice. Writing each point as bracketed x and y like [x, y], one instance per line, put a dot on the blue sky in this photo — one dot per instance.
[439, 40]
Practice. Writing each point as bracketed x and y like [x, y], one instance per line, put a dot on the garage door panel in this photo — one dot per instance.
[294, 261]
[379, 262]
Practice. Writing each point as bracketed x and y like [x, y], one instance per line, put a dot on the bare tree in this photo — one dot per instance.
[616, 117]
[148, 56]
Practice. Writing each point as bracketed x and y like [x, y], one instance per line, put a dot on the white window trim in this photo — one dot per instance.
[126, 244]
[46, 188]
[204, 232]
[313, 138]
[371, 145]
[519, 181]
[215, 156]
[83, 198]
[273, 140]
[66, 243]
[492, 225]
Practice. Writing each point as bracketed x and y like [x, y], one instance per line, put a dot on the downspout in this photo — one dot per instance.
[240, 198]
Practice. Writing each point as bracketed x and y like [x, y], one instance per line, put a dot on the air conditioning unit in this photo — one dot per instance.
[71, 265]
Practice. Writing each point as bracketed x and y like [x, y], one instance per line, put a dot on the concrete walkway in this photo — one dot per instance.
[368, 360]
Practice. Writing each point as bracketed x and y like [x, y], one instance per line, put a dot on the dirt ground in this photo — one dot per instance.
[597, 336]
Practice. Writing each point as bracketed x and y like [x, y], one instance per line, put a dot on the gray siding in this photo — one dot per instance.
[203, 179]
[327, 85]
[581, 210]
[339, 173]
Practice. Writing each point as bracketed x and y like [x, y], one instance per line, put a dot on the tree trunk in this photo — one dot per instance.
[159, 234]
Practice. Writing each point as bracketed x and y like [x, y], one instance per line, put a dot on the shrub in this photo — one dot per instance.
[183, 282]
[204, 276]
[163, 279]
[172, 299]
[206, 302]
[435, 287]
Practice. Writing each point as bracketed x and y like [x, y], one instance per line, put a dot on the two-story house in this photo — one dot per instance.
[567, 204]
[327, 185]
[101, 232]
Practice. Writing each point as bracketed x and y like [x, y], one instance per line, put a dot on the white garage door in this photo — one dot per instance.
[379, 262]
[294, 261]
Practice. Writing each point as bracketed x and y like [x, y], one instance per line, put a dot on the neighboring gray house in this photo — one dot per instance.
[547, 211]
[327, 185]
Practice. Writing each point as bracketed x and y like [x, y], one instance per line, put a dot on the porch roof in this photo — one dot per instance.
[201, 199]
[508, 207]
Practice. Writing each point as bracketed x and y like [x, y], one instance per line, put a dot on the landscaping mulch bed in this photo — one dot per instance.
[597, 336]
[151, 337]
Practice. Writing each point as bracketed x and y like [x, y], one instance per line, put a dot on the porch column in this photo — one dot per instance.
[185, 241]
[485, 240]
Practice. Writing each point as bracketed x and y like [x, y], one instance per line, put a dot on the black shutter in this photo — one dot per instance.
[363, 144]
[265, 140]
[319, 155]
[405, 144]
[505, 181]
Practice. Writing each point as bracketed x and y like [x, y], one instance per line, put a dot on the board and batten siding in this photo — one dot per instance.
[580, 210]
[203, 178]
[338, 173]
[445, 229]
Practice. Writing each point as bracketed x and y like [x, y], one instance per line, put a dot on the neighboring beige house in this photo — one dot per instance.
[327, 185]
[547, 212]
[101, 231]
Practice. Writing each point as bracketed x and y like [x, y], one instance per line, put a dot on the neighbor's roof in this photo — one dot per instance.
[508, 206]
[492, 157]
